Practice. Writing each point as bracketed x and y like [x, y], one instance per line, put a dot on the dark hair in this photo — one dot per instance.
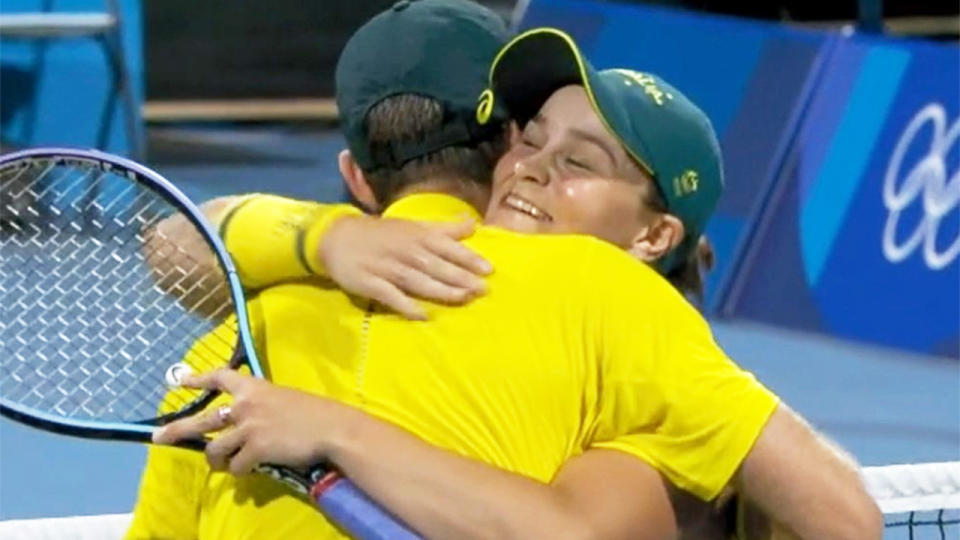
[699, 258]
[411, 118]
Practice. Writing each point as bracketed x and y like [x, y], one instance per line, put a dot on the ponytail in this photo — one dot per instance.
[688, 276]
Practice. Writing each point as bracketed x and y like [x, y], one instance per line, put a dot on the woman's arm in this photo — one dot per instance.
[182, 263]
[600, 494]
[393, 260]
[275, 239]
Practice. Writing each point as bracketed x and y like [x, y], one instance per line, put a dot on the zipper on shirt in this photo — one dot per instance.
[364, 353]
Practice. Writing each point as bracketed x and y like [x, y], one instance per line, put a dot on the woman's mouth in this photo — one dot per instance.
[519, 204]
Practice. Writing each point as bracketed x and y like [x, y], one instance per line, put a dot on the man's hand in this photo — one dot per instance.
[266, 423]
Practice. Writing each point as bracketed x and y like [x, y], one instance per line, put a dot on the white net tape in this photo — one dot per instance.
[102, 527]
[898, 489]
[917, 487]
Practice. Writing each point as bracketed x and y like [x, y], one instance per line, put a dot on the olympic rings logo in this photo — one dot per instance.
[928, 179]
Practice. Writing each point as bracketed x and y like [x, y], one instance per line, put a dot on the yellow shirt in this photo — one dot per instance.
[575, 346]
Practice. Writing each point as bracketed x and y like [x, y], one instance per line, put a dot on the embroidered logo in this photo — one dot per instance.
[686, 183]
[485, 106]
[647, 83]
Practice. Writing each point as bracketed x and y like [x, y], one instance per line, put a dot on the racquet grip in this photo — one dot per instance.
[344, 504]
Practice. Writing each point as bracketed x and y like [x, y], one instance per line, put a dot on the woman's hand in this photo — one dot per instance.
[183, 266]
[390, 260]
[265, 423]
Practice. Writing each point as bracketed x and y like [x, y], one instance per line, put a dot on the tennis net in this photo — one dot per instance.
[919, 502]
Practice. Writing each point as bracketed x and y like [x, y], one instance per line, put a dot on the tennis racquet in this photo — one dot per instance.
[100, 313]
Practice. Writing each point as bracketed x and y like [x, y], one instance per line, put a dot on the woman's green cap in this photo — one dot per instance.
[668, 136]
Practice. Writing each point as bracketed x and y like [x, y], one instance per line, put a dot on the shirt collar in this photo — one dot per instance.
[431, 207]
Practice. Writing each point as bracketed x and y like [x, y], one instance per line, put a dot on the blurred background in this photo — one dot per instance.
[838, 281]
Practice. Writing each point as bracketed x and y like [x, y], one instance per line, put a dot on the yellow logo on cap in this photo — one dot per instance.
[485, 106]
[686, 183]
[648, 83]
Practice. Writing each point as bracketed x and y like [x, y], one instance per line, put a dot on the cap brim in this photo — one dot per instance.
[539, 62]
[534, 65]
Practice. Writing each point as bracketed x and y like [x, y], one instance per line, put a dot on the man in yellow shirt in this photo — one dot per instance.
[549, 376]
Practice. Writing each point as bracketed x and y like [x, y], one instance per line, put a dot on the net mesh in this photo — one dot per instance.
[97, 303]
[919, 502]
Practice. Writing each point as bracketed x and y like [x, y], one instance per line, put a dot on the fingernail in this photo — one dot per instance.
[158, 434]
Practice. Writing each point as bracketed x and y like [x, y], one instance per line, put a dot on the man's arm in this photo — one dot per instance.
[600, 494]
[716, 423]
[746, 507]
[806, 484]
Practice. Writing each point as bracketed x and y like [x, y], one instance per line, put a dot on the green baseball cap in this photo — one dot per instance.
[439, 49]
[664, 132]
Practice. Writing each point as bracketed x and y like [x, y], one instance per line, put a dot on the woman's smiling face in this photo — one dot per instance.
[565, 173]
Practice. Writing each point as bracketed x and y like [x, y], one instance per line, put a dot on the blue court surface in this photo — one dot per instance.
[885, 406]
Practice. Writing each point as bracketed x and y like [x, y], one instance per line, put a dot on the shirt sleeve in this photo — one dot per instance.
[168, 502]
[274, 239]
[174, 479]
[670, 396]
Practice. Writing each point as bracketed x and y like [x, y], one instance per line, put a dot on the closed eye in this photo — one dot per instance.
[579, 164]
[529, 143]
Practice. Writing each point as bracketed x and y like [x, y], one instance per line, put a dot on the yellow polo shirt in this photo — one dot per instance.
[575, 346]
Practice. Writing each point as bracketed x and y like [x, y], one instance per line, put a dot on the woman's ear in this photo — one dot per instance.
[655, 240]
[356, 182]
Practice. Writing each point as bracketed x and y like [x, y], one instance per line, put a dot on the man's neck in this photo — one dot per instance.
[468, 191]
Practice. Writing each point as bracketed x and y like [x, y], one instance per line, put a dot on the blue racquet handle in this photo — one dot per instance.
[348, 507]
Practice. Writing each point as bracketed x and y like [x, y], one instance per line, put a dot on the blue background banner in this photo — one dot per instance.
[862, 240]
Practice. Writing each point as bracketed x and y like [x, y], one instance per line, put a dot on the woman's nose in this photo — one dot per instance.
[529, 169]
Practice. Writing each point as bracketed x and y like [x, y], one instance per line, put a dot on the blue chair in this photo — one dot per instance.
[104, 27]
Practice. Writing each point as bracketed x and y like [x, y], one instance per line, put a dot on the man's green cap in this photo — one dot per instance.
[664, 132]
[439, 49]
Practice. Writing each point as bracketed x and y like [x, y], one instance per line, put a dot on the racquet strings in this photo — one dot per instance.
[98, 299]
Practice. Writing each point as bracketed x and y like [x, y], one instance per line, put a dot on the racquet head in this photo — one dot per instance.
[112, 286]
